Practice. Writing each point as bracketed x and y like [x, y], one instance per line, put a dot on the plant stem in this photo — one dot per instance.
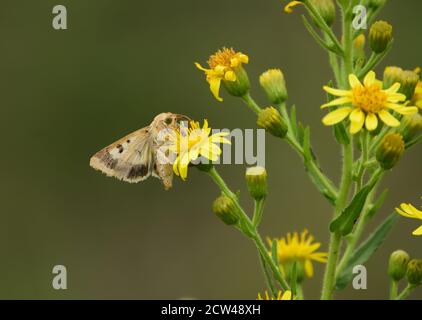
[267, 275]
[406, 292]
[258, 211]
[360, 227]
[251, 104]
[299, 292]
[393, 289]
[251, 232]
[335, 239]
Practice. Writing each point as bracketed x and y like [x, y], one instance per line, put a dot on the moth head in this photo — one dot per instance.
[169, 119]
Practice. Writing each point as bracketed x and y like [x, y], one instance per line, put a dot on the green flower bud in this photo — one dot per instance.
[411, 126]
[300, 271]
[256, 180]
[397, 265]
[274, 85]
[240, 86]
[414, 272]
[380, 35]
[326, 9]
[408, 80]
[376, 4]
[225, 209]
[391, 76]
[271, 120]
[390, 150]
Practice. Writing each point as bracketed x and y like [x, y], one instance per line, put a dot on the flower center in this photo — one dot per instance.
[370, 99]
[222, 57]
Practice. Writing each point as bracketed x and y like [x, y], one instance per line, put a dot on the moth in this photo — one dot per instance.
[136, 156]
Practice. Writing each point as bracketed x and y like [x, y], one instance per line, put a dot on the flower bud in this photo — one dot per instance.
[240, 86]
[397, 265]
[326, 9]
[380, 36]
[271, 120]
[256, 180]
[408, 80]
[288, 268]
[359, 42]
[376, 4]
[390, 150]
[225, 209]
[274, 85]
[411, 126]
[414, 272]
[391, 76]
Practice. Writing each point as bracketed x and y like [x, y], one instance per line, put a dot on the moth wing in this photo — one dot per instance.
[130, 159]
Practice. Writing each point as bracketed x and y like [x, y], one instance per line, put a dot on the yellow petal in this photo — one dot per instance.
[418, 231]
[393, 89]
[230, 76]
[396, 97]
[388, 119]
[243, 58]
[336, 116]
[201, 67]
[337, 92]
[357, 119]
[337, 102]
[287, 295]
[309, 269]
[407, 110]
[354, 81]
[290, 5]
[369, 79]
[215, 88]
[371, 122]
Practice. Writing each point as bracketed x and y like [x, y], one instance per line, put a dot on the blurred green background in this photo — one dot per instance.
[66, 94]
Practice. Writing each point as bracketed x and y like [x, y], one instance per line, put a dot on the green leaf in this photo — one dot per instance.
[365, 251]
[346, 220]
[318, 39]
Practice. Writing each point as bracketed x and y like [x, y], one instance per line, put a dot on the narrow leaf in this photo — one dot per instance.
[345, 222]
[365, 251]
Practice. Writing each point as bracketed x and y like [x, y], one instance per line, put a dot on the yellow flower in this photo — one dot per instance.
[409, 211]
[290, 5]
[417, 98]
[224, 66]
[280, 296]
[191, 143]
[300, 249]
[369, 101]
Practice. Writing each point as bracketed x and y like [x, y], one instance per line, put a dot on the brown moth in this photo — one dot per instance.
[135, 157]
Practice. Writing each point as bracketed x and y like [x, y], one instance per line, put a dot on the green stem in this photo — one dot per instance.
[267, 275]
[360, 227]
[323, 25]
[299, 292]
[258, 211]
[393, 289]
[406, 292]
[374, 60]
[251, 104]
[335, 239]
[251, 230]
[312, 167]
